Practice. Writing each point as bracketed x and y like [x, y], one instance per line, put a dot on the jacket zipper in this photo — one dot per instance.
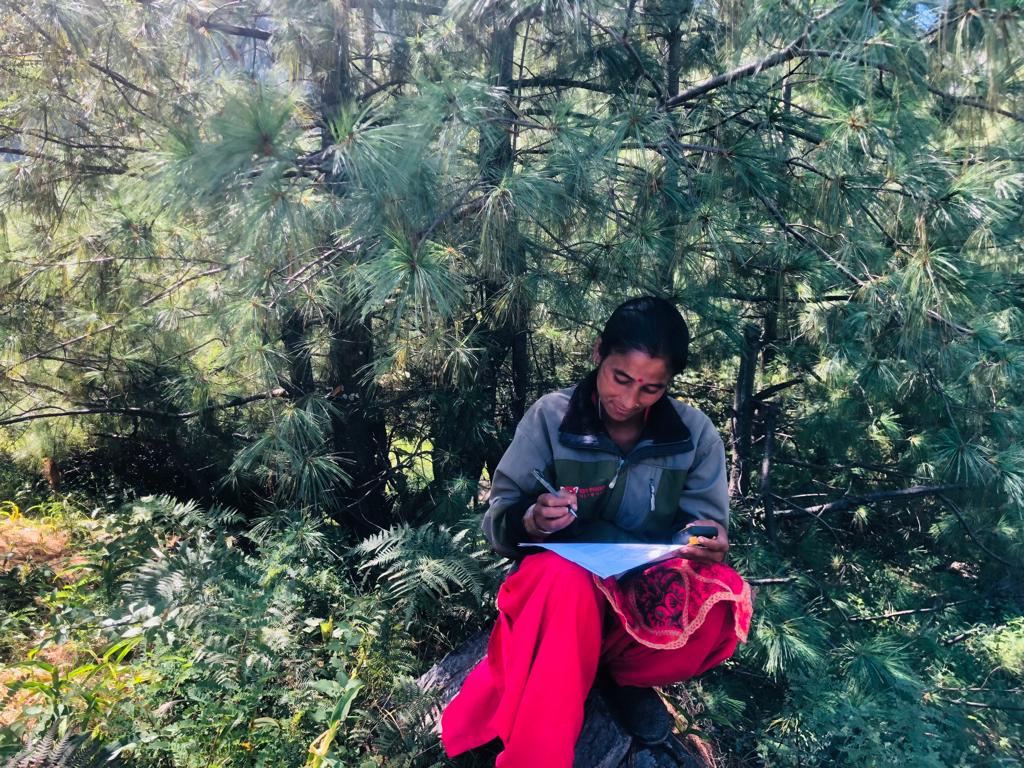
[652, 494]
[615, 477]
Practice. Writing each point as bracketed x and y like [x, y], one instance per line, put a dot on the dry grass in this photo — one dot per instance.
[30, 544]
[63, 657]
[33, 543]
[24, 542]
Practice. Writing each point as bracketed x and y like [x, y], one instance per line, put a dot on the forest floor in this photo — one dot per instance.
[36, 554]
[24, 541]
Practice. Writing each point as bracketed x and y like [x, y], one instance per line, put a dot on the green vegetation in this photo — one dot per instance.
[279, 280]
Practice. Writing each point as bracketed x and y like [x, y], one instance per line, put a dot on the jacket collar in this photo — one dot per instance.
[663, 434]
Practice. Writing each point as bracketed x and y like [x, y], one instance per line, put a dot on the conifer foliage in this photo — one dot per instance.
[313, 260]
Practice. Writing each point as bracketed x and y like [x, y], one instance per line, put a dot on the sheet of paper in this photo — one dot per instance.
[609, 559]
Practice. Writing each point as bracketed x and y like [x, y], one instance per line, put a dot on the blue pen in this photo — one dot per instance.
[550, 488]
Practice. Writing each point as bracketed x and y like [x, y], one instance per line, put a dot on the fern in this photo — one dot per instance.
[68, 751]
[418, 568]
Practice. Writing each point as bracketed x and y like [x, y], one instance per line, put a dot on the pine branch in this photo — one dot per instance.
[795, 50]
[562, 82]
[978, 704]
[909, 612]
[633, 55]
[424, 8]
[754, 299]
[111, 326]
[849, 502]
[776, 388]
[88, 167]
[227, 29]
[115, 76]
[967, 101]
[371, 92]
[314, 267]
[961, 636]
[49, 138]
[869, 467]
[787, 130]
[788, 53]
[801, 238]
[797, 509]
[143, 412]
[959, 516]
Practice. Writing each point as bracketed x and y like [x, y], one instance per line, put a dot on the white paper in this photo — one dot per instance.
[610, 559]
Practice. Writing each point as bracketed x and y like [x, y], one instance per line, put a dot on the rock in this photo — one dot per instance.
[603, 743]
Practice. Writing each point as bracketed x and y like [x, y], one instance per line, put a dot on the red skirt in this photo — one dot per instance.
[674, 621]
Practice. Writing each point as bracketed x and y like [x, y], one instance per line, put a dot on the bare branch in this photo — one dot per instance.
[111, 326]
[779, 580]
[561, 82]
[909, 612]
[145, 413]
[227, 29]
[849, 502]
[978, 704]
[788, 53]
[959, 516]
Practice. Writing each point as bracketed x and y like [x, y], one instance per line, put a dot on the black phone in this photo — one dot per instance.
[693, 531]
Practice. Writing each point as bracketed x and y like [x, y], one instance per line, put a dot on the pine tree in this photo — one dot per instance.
[330, 252]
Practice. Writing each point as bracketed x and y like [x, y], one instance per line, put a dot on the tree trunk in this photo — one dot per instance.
[300, 368]
[461, 447]
[669, 212]
[358, 430]
[743, 413]
[399, 72]
[767, 501]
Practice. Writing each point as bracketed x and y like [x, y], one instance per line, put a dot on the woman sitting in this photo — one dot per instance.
[632, 465]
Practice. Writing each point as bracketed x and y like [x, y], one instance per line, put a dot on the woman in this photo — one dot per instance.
[632, 465]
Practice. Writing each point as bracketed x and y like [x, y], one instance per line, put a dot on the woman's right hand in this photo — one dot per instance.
[548, 514]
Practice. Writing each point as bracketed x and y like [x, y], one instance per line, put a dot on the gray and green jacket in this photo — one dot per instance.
[674, 475]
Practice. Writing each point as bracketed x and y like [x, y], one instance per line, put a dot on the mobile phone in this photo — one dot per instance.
[692, 532]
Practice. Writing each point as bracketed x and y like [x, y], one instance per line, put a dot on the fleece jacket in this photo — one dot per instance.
[674, 475]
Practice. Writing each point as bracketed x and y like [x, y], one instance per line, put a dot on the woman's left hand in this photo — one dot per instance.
[706, 550]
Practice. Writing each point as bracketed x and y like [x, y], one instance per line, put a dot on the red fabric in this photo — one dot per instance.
[670, 601]
[552, 631]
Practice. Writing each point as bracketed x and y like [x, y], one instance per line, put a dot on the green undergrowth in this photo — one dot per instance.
[183, 636]
[190, 637]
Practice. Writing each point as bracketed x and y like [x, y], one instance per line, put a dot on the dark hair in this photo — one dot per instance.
[647, 324]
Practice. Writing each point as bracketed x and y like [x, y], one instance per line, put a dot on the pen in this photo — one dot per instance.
[550, 488]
